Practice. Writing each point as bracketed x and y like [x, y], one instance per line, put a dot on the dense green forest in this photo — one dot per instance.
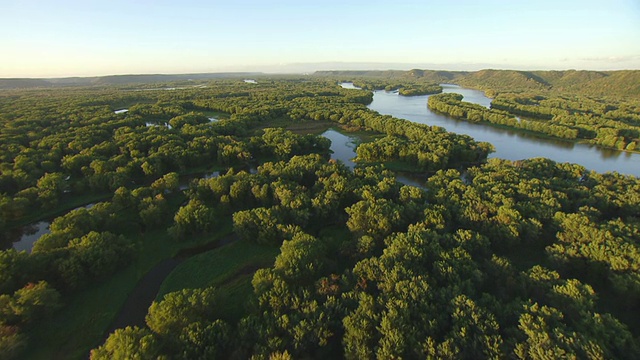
[286, 253]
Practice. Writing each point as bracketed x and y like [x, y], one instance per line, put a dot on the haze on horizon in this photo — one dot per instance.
[88, 38]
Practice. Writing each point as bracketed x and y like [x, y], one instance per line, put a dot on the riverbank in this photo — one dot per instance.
[456, 110]
[509, 143]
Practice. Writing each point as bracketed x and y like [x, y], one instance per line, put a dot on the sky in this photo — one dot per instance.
[42, 38]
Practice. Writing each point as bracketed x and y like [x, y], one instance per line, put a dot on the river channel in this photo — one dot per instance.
[509, 144]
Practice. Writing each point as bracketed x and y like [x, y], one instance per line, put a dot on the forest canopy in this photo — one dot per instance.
[282, 252]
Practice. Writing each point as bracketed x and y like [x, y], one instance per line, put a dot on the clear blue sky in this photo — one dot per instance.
[42, 38]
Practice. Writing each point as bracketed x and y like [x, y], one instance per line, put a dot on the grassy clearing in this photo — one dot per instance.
[81, 324]
[234, 298]
[219, 267]
[273, 123]
[317, 127]
[310, 127]
[229, 268]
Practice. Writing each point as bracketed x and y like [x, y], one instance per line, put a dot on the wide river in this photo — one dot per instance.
[511, 145]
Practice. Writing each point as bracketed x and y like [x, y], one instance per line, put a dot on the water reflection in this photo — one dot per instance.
[469, 95]
[416, 180]
[344, 150]
[23, 238]
[151, 124]
[31, 233]
[342, 146]
[509, 144]
[349, 85]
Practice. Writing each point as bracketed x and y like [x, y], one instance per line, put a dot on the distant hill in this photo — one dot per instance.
[433, 76]
[569, 78]
[625, 83]
[116, 79]
[504, 80]
[372, 73]
[23, 83]
[622, 83]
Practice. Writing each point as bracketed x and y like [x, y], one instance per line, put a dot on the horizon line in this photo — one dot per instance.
[302, 72]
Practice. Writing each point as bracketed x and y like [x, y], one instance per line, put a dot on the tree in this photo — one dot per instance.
[258, 224]
[153, 211]
[129, 343]
[377, 217]
[178, 309]
[193, 218]
[360, 329]
[101, 254]
[12, 342]
[167, 183]
[50, 187]
[300, 258]
[14, 266]
[205, 340]
[29, 303]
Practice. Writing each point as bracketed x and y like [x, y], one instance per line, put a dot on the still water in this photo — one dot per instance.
[344, 150]
[23, 238]
[343, 147]
[511, 145]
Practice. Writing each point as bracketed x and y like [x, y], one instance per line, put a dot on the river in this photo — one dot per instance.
[509, 144]
[343, 148]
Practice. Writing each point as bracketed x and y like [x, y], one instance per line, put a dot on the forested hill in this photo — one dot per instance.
[595, 83]
[624, 83]
[116, 79]
[427, 76]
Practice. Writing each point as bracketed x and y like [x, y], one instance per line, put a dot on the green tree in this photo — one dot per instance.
[129, 343]
[301, 258]
[259, 224]
[178, 309]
